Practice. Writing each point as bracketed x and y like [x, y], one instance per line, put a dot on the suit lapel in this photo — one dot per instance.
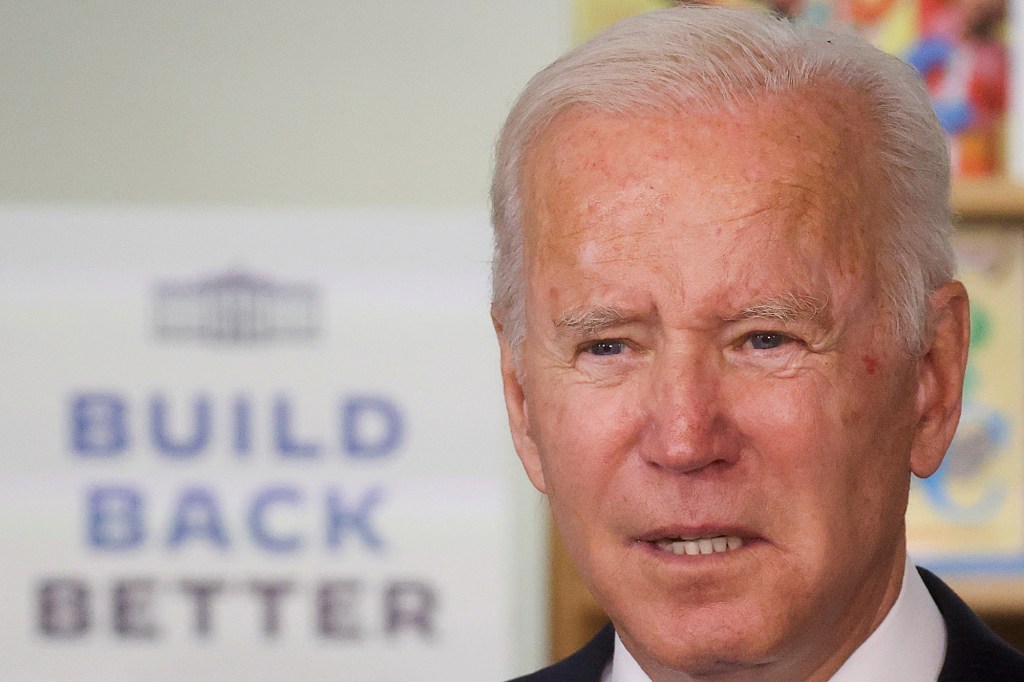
[973, 652]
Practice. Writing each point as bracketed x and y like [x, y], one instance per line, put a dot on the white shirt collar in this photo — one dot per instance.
[908, 645]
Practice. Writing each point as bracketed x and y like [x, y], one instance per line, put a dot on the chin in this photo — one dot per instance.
[709, 640]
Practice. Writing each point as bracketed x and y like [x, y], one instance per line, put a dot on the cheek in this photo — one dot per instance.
[826, 452]
[794, 435]
[791, 417]
[584, 433]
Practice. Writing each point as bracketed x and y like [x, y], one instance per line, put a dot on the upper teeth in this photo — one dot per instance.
[720, 543]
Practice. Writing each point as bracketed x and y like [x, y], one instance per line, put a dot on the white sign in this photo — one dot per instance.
[252, 445]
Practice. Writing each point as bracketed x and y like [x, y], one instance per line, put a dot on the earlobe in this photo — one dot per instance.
[518, 415]
[941, 377]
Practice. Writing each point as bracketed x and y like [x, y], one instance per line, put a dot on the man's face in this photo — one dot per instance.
[706, 365]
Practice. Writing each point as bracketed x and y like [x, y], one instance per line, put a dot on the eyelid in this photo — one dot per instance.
[590, 343]
[772, 332]
[793, 329]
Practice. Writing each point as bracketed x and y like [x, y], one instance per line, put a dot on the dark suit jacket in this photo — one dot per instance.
[973, 652]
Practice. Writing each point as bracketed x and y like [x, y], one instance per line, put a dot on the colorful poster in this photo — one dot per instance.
[969, 516]
[254, 445]
[593, 16]
[960, 49]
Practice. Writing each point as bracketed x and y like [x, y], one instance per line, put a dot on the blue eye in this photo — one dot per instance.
[767, 340]
[607, 347]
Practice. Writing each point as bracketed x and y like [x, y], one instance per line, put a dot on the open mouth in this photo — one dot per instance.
[718, 544]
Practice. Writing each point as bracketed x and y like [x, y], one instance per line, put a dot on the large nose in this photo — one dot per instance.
[687, 426]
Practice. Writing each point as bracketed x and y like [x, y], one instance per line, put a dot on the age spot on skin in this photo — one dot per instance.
[870, 364]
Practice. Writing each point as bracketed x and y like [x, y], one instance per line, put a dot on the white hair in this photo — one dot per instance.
[703, 59]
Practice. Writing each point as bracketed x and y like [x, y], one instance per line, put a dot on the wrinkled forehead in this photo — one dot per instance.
[808, 162]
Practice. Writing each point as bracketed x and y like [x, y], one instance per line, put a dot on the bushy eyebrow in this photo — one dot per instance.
[587, 321]
[788, 307]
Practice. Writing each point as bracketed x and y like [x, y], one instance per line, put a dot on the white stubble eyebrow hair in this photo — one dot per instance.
[788, 307]
[588, 320]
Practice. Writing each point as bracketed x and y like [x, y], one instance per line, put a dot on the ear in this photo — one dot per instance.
[518, 416]
[940, 378]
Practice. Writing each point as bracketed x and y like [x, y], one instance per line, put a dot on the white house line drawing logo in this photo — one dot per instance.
[237, 307]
